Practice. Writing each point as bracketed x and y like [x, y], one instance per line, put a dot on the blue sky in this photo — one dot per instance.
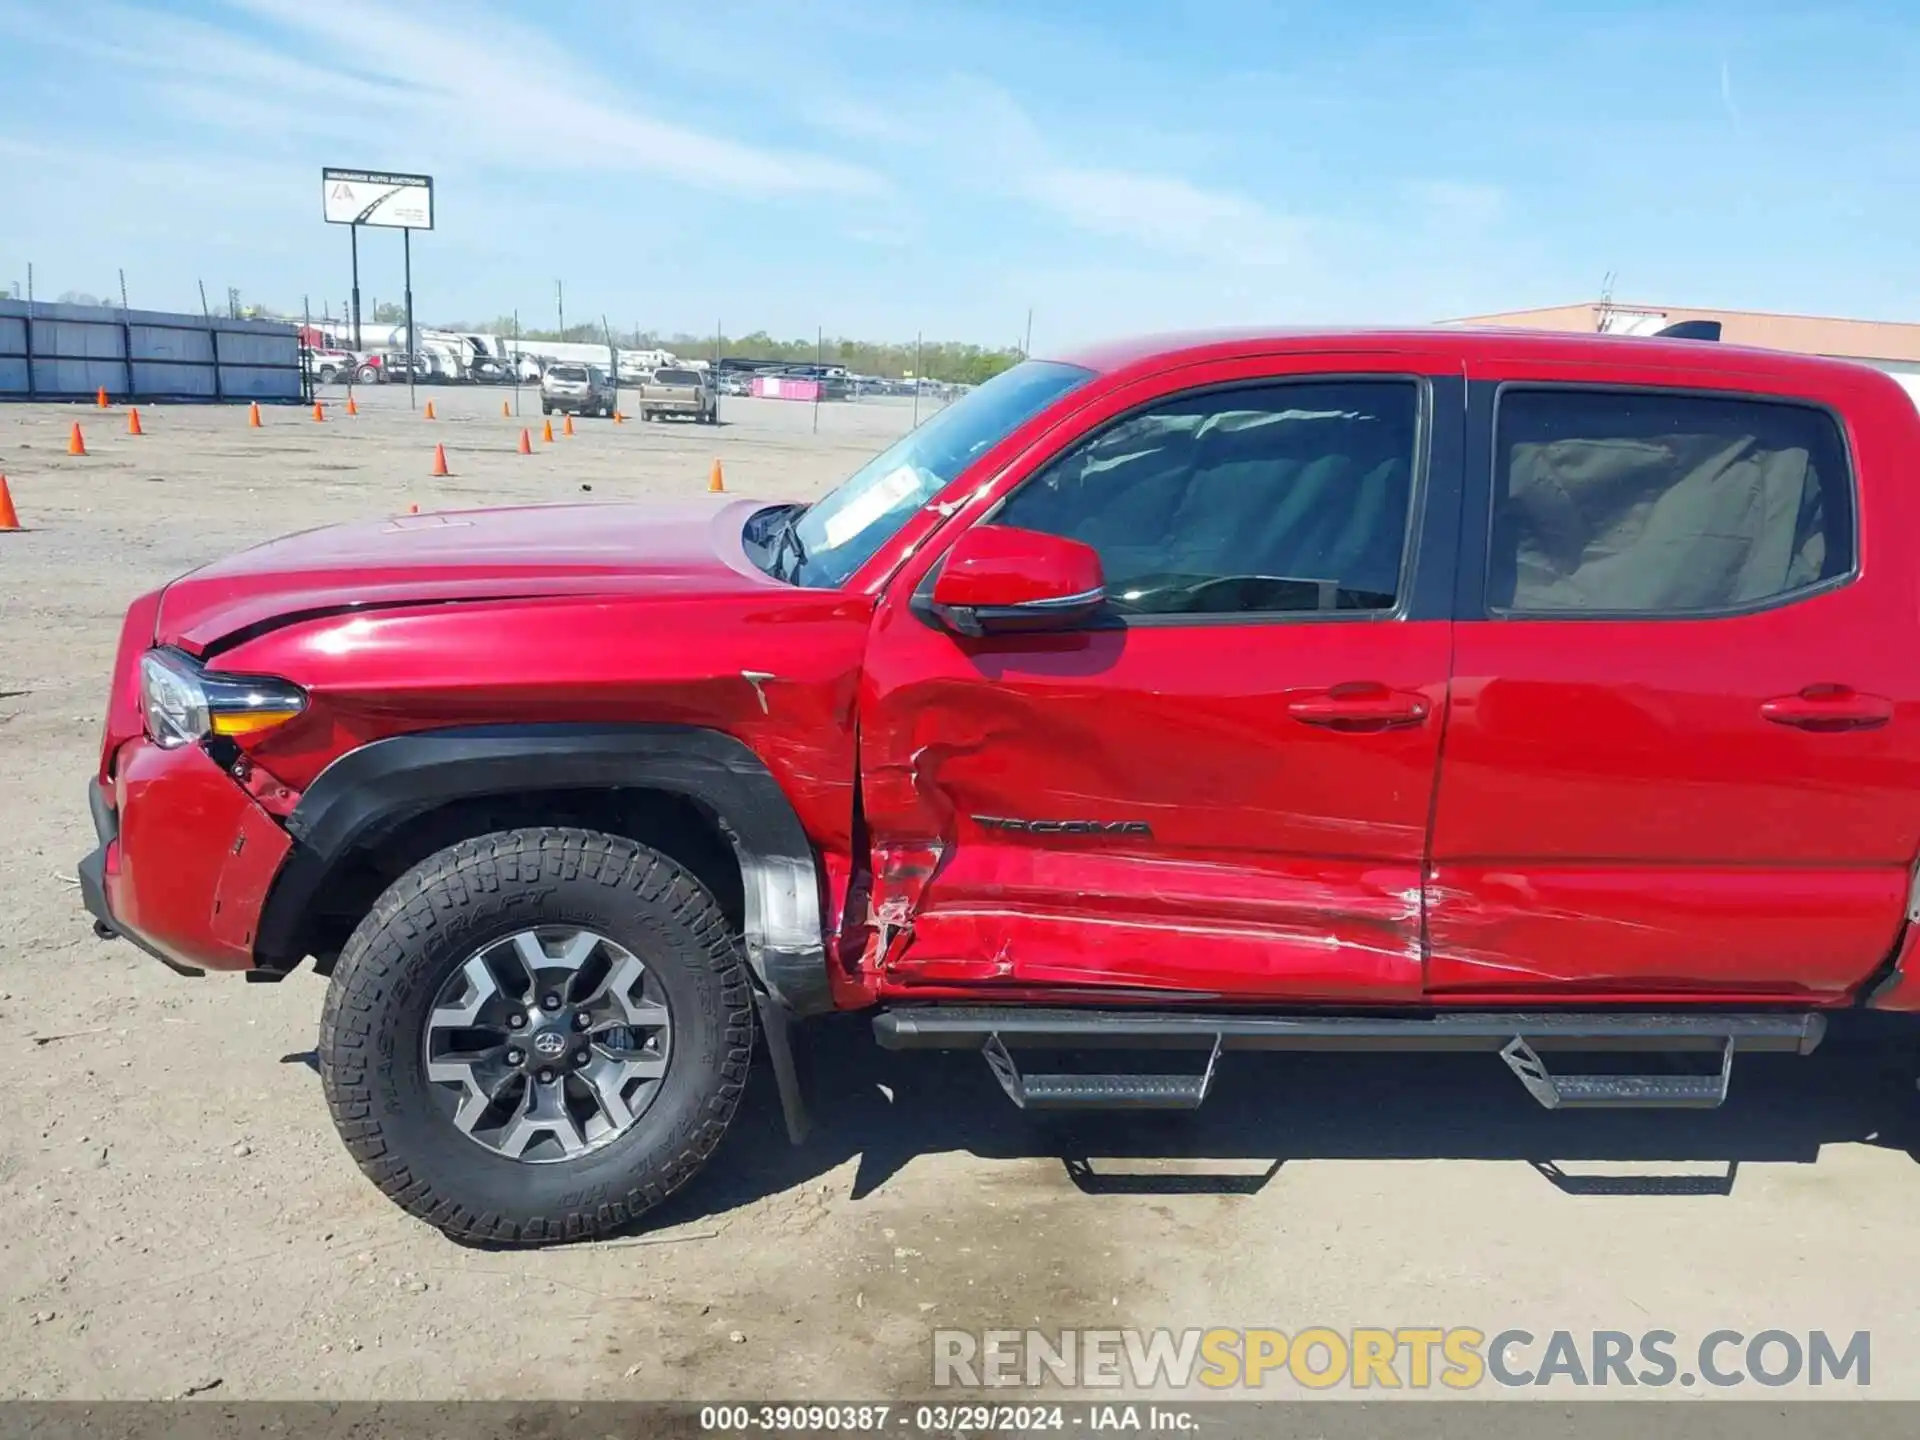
[882, 168]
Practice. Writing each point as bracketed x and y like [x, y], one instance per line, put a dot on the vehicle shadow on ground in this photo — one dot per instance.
[1268, 1109]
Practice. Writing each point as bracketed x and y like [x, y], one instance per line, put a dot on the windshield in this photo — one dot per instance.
[677, 377]
[839, 532]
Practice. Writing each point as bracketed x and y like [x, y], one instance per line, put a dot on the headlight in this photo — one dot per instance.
[173, 700]
[183, 703]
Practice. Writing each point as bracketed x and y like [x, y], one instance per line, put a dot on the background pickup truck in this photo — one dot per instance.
[683, 394]
[1550, 697]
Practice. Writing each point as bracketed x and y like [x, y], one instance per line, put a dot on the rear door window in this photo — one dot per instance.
[1651, 503]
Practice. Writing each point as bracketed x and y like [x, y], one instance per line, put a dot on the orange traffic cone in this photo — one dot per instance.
[253, 415]
[76, 442]
[440, 460]
[618, 418]
[546, 432]
[430, 415]
[566, 426]
[413, 509]
[353, 407]
[318, 413]
[9, 517]
[505, 413]
[716, 482]
[101, 398]
[526, 443]
[133, 422]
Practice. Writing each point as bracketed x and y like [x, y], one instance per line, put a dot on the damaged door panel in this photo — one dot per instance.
[1171, 839]
[1224, 797]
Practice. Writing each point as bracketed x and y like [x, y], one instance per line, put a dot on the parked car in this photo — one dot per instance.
[331, 366]
[1104, 709]
[577, 389]
[681, 393]
[390, 367]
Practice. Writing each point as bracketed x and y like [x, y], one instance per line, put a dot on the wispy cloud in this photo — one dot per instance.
[1167, 213]
[1726, 92]
[1004, 151]
[489, 90]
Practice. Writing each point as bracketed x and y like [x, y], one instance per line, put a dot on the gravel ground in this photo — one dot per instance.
[181, 1218]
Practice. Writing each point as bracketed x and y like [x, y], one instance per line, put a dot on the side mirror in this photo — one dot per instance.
[998, 580]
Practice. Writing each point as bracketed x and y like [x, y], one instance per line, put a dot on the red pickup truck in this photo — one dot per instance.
[1547, 696]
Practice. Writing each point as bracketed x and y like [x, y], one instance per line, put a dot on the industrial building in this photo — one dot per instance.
[1889, 345]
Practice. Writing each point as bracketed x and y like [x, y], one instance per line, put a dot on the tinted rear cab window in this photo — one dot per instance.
[1639, 502]
[568, 372]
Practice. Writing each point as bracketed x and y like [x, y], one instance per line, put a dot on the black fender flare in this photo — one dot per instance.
[389, 780]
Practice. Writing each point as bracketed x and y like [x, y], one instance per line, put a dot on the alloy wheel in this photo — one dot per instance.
[547, 1043]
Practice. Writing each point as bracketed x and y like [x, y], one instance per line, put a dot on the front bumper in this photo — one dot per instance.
[185, 859]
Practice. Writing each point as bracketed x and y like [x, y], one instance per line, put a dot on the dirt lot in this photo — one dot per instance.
[180, 1215]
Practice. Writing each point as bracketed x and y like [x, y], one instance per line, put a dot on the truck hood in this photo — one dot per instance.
[463, 555]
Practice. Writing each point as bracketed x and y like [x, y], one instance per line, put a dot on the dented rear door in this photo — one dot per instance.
[1226, 800]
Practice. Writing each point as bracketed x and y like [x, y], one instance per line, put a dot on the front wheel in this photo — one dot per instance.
[537, 1035]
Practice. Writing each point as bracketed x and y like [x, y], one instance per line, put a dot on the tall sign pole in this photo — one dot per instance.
[406, 250]
[353, 231]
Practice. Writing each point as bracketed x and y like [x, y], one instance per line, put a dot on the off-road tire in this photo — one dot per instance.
[427, 924]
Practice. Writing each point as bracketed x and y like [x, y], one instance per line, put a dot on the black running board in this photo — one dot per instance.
[1517, 1037]
[1098, 1092]
[956, 1027]
[1618, 1092]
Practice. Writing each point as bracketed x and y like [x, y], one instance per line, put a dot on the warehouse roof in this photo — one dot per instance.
[1885, 340]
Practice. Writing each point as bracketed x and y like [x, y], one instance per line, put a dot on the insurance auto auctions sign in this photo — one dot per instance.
[374, 197]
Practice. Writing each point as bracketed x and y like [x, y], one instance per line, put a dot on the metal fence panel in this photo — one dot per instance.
[78, 379]
[68, 352]
[78, 339]
[191, 382]
[245, 349]
[245, 382]
[173, 342]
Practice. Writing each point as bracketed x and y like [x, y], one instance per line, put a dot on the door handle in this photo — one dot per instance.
[1828, 708]
[1361, 705]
